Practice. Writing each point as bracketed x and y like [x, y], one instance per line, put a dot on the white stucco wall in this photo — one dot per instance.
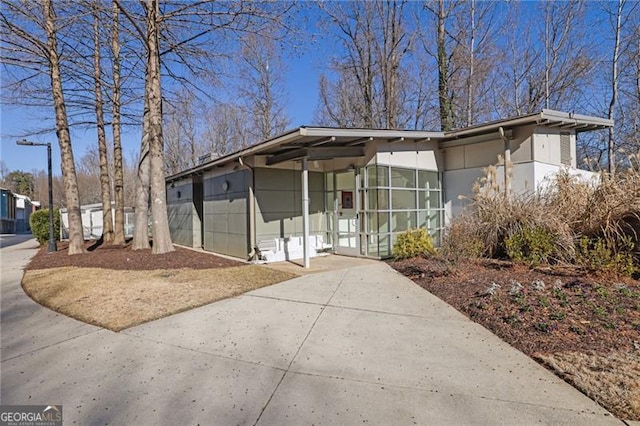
[526, 177]
[547, 146]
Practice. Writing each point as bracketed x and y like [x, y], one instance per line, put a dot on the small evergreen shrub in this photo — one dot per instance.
[596, 254]
[39, 221]
[532, 245]
[412, 243]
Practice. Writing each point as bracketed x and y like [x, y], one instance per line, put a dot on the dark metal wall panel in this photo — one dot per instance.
[226, 214]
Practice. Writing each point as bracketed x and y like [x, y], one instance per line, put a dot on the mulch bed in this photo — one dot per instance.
[123, 258]
[553, 311]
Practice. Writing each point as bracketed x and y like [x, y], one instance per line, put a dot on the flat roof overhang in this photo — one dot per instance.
[323, 143]
[547, 117]
[316, 143]
[316, 153]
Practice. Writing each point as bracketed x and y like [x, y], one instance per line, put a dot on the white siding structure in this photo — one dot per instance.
[364, 186]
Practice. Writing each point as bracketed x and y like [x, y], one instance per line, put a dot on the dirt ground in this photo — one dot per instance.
[123, 258]
[117, 288]
[584, 328]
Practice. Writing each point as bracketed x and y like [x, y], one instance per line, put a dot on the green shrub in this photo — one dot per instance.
[531, 245]
[412, 243]
[596, 254]
[39, 221]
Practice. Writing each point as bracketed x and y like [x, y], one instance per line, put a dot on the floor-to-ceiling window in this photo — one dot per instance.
[396, 199]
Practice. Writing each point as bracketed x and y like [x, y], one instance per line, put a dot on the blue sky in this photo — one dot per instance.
[302, 81]
[302, 73]
[302, 86]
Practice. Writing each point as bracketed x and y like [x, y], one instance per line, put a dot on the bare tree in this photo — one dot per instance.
[23, 48]
[472, 58]
[355, 71]
[450, 57]
[262, 88]
[473, 61]
[142, 179]
[118, 175]
[447, 119]
[153, 96]
[614, 84]
[105, 184]
[187, 38]
[226, 129]
[547, 63]
[89, 177]
[564, 58]
[369, 86]
[181, 134]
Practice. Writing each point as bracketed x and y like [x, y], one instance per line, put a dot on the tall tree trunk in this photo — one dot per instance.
[141, 229]
[614, 88]
[389, 57]
[105, 186]
[636, 128]
[118, 173]
[161, 235]
[76, 234]
[472, 53]
[547, 42]
[446, 119]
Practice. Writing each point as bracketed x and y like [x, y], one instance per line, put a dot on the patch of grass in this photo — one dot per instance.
[610, 379]
[543, 327]
[603, 293]
[600, 311]
[544, 301]
[557, 315]
[121, 299]
[562, 297]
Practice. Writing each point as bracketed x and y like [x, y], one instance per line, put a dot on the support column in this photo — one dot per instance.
[507, 163]
[305, 212]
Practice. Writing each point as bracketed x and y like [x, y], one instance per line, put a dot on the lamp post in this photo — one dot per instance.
[52, 238]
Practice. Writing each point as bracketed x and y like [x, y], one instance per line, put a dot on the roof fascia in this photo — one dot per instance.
[575, 119]
[367, 133]
[278, 140]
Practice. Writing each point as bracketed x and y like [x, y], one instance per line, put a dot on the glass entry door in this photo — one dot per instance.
[346, 232]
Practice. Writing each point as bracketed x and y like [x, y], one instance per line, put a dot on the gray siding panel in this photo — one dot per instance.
[180, 213]
[181, 223]
[226, 214]
[180, 193]
[278, 195]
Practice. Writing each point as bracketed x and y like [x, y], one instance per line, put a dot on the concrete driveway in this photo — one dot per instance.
[352, 346]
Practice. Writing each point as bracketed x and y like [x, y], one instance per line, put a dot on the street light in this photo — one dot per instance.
[52, 238]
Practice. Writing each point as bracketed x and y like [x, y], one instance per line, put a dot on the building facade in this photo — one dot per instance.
[353, 191]
[7, 211]
[24, 208]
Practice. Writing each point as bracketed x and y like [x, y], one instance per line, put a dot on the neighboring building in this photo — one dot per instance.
[7, 211]
[92, 221]
[24, 208]
[365, 186]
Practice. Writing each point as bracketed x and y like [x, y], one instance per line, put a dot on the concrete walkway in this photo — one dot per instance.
[358, 345]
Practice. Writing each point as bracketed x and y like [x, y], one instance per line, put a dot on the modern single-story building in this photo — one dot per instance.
[7, 211]
[352, 191]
